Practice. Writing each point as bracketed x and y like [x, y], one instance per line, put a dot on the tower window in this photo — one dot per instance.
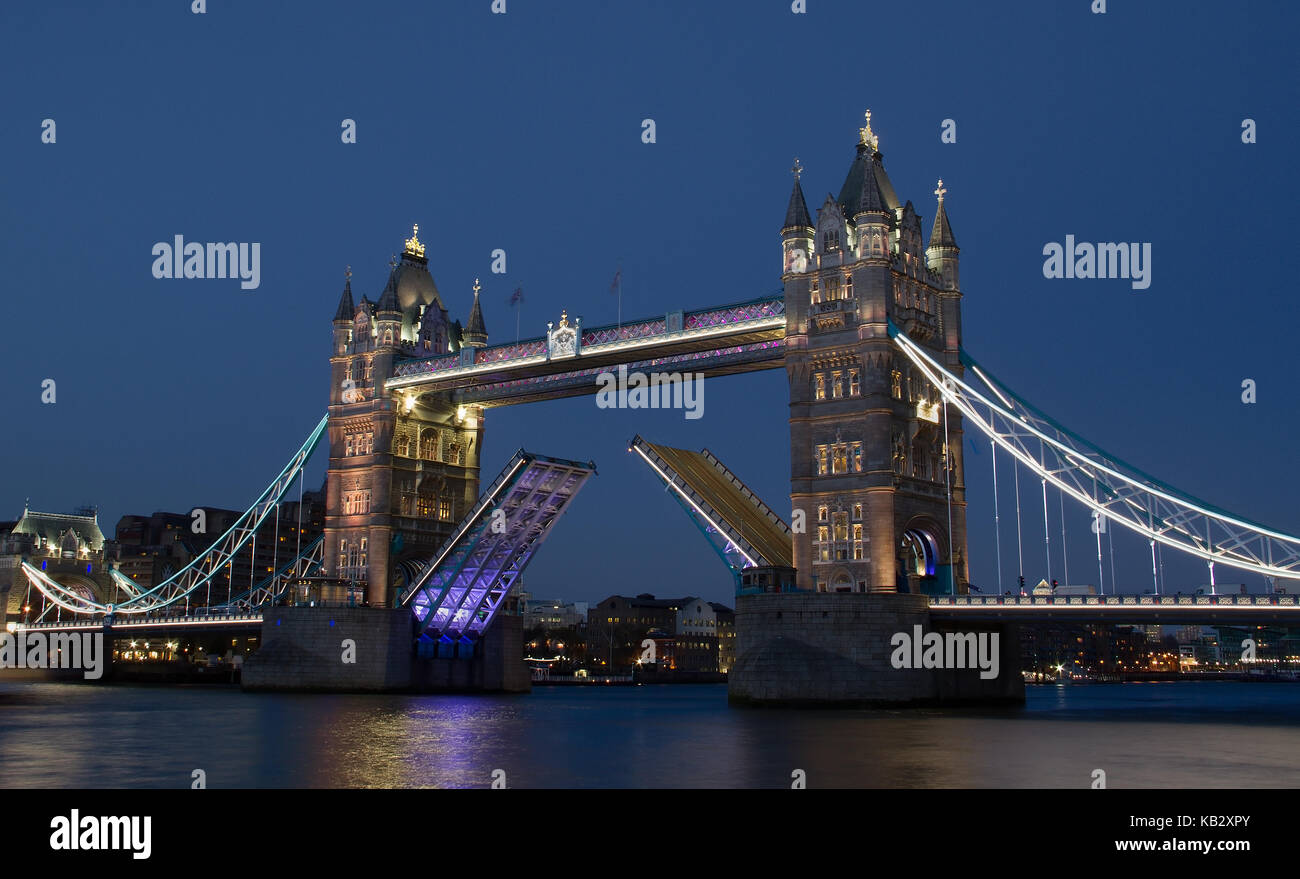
[839, 458]
[855, 386]
[855, 456]
[821, 460]
[837, 384]
[819, 383]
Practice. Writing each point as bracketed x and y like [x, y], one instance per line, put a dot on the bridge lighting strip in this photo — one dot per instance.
[139, 624]
[694, 505]
[940, 377]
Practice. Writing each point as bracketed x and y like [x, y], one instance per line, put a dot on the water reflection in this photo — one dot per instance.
[1152, 735]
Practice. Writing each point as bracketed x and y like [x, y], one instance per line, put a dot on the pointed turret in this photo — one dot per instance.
[388, 303]
[942, 253]
[941, 234]
[475, 335]
[797, 233]
[346, 310]
[796, 215]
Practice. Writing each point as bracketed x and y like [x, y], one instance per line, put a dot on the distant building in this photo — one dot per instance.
[690, 634]
[70, 548]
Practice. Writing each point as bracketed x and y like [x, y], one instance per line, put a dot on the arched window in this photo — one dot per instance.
[429, 445]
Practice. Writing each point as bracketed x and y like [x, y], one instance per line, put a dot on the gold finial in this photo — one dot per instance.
[940, 191]
[564, 317]
[476, 288]
[413, 245]
[797, 169]
[867, 136]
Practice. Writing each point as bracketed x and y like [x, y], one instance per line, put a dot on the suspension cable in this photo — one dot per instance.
[947, 483]
[1020, 543]
[997, 525]
[1065, 546]
[1047, 531]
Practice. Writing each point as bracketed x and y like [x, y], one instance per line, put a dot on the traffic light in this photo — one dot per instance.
[1022, 582]
[1053, 585]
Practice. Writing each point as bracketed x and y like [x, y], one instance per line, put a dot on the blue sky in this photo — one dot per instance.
[522, 131]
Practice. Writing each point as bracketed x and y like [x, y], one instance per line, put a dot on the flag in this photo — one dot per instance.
[516, 297]
[618, 279]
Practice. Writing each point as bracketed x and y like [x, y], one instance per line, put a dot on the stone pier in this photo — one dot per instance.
[833, 649]
[309, 648]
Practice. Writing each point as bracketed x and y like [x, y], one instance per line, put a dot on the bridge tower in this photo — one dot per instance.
[876, 463]
[403, 468]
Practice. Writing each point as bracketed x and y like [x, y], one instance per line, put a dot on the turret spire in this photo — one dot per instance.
[796, 215]
[346, 310]
[941, 233]
[475, 334]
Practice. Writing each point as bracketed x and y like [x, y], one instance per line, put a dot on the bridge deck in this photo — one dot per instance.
[714, 494]
[469, 578]
[1249, 610]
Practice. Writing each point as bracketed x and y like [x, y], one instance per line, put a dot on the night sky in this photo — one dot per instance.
[523, 132]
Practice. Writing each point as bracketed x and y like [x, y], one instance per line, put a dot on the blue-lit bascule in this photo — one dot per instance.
[454, 595]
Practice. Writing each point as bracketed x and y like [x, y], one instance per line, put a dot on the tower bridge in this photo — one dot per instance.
[882, 391]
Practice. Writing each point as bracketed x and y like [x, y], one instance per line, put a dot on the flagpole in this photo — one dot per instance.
[620, 298]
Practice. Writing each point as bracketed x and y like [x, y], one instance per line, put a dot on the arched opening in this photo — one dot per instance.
[841, 582]
[920, 553]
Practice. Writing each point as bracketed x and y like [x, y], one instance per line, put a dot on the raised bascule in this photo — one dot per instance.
[881, 394]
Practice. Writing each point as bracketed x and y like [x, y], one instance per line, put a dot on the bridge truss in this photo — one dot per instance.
[1101, 481]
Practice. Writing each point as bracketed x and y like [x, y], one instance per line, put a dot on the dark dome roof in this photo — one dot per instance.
[415, 286]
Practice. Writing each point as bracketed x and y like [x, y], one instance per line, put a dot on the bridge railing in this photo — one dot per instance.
[1114, 600]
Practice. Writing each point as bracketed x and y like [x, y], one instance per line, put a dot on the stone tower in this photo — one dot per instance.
[880, 488]
[403, 469]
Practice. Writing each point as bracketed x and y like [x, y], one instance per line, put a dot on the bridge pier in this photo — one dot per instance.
[860, 649]
[372, 649]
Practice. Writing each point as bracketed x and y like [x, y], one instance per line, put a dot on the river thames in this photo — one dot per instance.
[1141, 735]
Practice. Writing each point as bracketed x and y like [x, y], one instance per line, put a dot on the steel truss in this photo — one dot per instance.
[1102, 482]
[197, 573]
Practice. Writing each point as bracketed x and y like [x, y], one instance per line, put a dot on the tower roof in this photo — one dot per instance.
[796, 215]
[346, 310]
[388, 300]
[867, 179]
[475, 330]
[941, 233]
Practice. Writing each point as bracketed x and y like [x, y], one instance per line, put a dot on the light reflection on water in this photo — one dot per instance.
[1142, 735]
